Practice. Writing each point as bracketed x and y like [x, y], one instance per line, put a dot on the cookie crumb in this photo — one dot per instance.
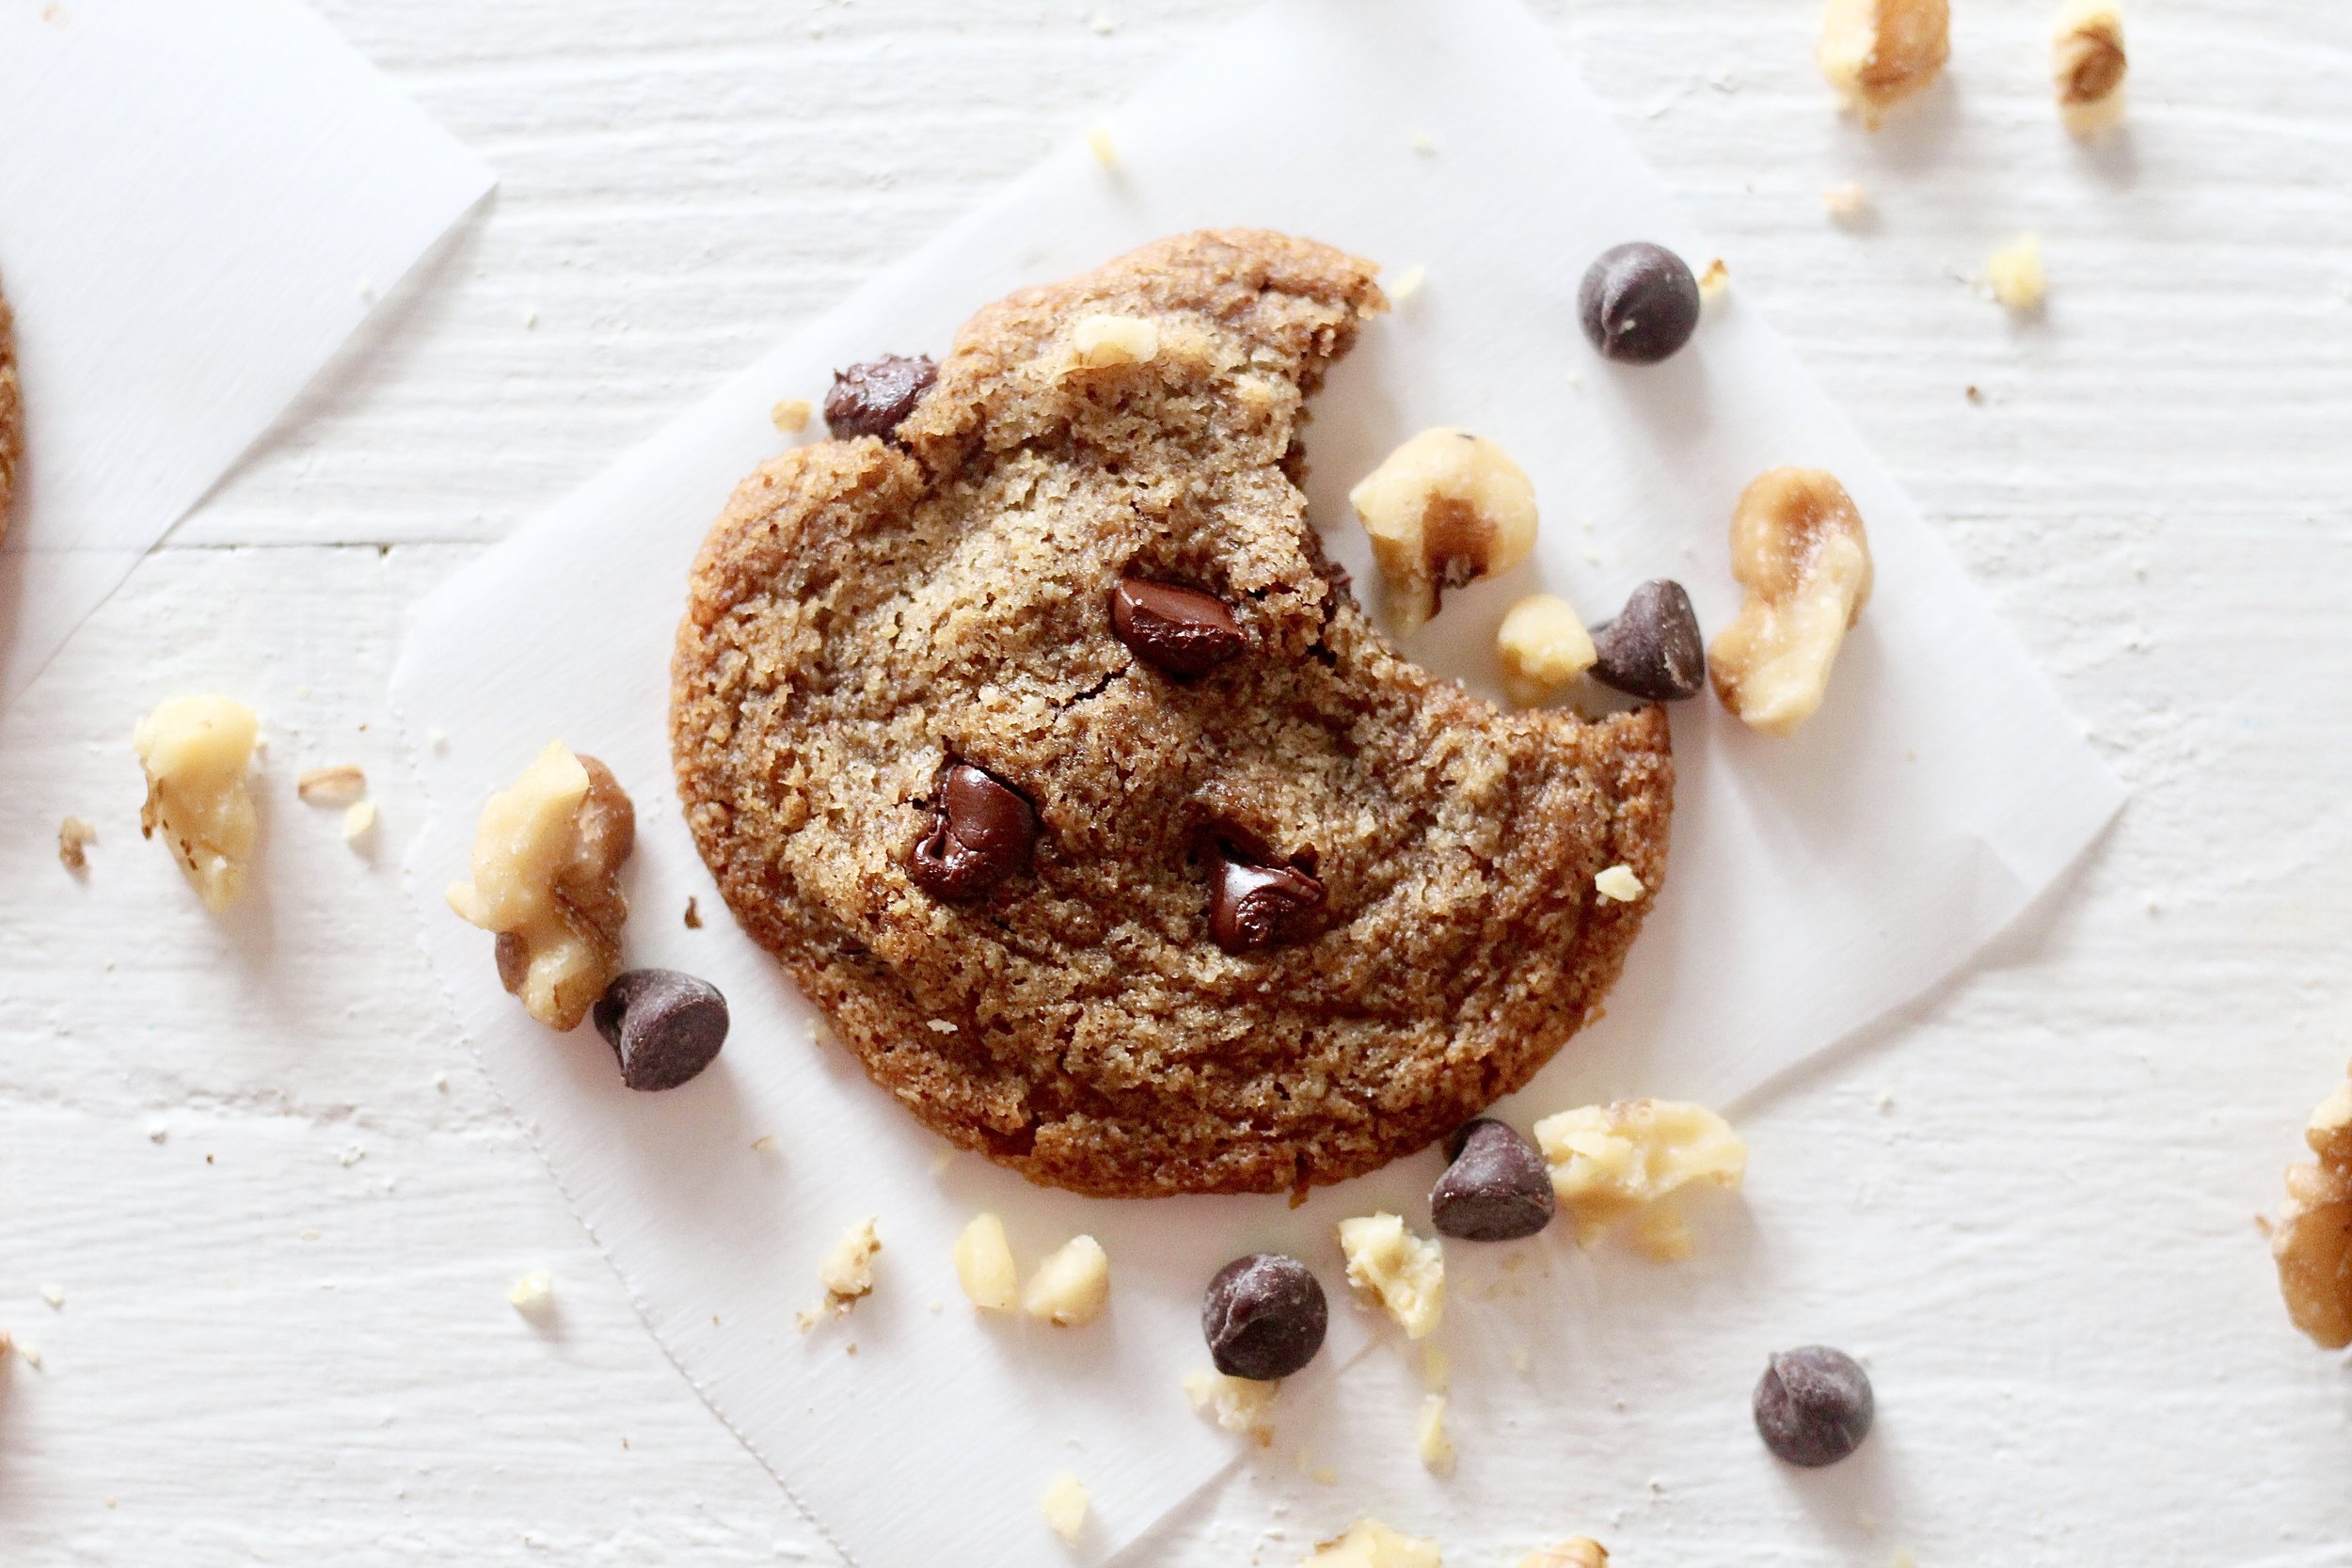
[533, 1294]
[1619, 884]
[1099, 143]
[1403, 1273]
[2312, 1240]
[1430, 1439]
[2016, 275]
[694, 914]
[790, 415]
[74, 837]
[1064, 1506]
[764, 1144]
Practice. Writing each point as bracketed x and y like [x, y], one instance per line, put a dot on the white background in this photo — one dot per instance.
[2030, 1199]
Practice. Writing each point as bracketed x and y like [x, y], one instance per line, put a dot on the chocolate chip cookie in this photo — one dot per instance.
[1029, 726]
[12, 414]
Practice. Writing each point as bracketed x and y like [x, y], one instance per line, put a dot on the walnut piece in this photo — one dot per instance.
[848, 1271]
[195, 752]
[1877, 52]
[2313, 1239]
[1580, 1551]
[1239, 1404]
[338, 785]
[533, 1294]
[1444, 510]
[1798, 547]
[2087, 65]
[1072, 1286]
[1103, 343]
[547, 879]
[1403, 1273]
[984, 1265]
[1370, 1543]
[1628, 1161]
[1544, 647]
[1619, 884]
[74, 837]
[1064, 1506]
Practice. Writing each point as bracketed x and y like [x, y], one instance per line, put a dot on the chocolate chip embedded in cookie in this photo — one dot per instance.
[875, 398]
[11, 415]
[1284, 906]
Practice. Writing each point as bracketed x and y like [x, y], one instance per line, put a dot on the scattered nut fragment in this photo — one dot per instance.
[338, 785]
[358, 821]
[1444, 510]
[1407, 284]
[1099, 143]
[1877, 52]
[1613, 1162]
[1714, 280]
[1370, 1543]
[1401, 1271]
[984, 1265]
[1543, 646]
[847, 1273]
[1798, 547]
[74, 837]
[1239, 1404]
[2313, 1239]
[1064, 1506]
[1580, 1551]
[1430, 1439]
[2088, 64]
[533, 1294]
[1847, 204]
[195, 752]
[1072, 1286]
[547, 862]
[1103, 343]
[1619, 884]
[790, 415]
[2015, 275]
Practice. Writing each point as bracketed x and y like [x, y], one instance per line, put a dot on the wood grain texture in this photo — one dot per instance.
[2031, 1198]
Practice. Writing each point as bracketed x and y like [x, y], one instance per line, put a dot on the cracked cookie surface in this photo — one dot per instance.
[868, 613]
[11, 415]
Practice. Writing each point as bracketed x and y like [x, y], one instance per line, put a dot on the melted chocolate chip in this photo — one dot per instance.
[1497, 1189]
[1263, 1316]
[1257, 906]
[1652, 649]
[875, 398]
[1639, 303]
[1814, 1406]
[981, 833]
[1181, 631]
[664, 1026]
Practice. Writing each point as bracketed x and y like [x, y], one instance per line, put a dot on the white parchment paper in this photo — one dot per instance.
[1815, 881]
[191, 200]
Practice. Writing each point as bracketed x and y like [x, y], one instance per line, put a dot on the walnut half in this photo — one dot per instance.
[547, 879]
[2313, 1239]
[1798, 548]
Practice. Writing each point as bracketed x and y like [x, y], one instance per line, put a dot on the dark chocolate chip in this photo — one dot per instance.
[1652, 649]
[981, 833]
[664, 1026]
[1497, 1189]
[875, 398]
[1257, 906]
[1812, 1406]
[1263, 1316]
[1639, 301]
[1182, 631]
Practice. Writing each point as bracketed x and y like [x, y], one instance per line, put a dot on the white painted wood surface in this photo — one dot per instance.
[283, 1207]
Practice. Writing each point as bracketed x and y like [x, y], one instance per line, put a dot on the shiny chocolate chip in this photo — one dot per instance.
[1639, 303]
[1812, 1406]
[1652, 649]
[1180, 631]
[1497, 1189]
[1263, 1316]
[875, 398]
[981, 833]
[1257, 906]
[664, 1026]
